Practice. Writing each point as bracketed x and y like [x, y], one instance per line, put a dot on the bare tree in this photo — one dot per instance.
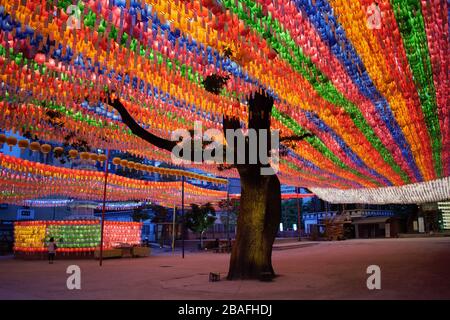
[260, 205]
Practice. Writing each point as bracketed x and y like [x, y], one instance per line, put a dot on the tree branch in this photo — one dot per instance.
[296, 138]
[128, 120]
[159, 142]
[259, 108]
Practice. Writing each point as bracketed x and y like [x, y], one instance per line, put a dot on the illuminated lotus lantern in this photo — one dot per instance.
[35, 147]
[2, 139]
[102, 158]
[116, 162]
[45, 149]
[131, 165]
[177, 173]
[58, 151]
[23, 145]
[84, 156]
[124, 164]
[11, 142]
[93, 157]
[73, 154]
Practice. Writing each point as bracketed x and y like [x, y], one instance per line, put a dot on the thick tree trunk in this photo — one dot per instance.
[258, 221]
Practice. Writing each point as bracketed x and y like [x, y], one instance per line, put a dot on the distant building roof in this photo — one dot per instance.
[371, 220]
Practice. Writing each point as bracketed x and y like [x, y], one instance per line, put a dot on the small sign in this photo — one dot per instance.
[25, 214]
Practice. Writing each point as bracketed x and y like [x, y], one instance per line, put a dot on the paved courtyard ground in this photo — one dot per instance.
[410, 269]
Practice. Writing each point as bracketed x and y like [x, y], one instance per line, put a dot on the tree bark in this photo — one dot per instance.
[258, 219]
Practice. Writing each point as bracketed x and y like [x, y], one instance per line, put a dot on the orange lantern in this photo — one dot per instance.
[84, 155]
[23, 144]
[123, 163]
[58, 151]
[93, 157]
[11, 141]
[116, 161]
[46, 148]
[2, 139]
[101, 158]
[73, 153]
[35, 146]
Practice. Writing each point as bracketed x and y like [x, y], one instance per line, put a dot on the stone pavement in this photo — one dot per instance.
[410, 269]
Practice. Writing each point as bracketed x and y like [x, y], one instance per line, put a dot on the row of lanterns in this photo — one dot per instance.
[88, 156]
[46, 148]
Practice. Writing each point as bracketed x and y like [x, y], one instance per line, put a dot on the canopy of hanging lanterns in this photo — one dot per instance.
[369, 80]
[21, 180]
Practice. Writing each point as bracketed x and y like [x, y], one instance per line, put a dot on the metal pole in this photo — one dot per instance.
[104, 207]
[173, 228]
[182, 215]
[228, 210]
[298, 216]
